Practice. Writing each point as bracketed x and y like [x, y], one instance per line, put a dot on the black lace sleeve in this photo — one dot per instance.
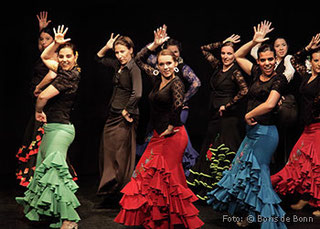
[177, 89]
[298, 60]
[207, 53]
[243, 88]
[141, 60]
[66, 80]
[280, 84]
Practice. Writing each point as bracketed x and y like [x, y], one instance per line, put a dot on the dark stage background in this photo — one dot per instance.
[90, 25]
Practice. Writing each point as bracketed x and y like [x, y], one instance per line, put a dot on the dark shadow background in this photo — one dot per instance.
[90, 25]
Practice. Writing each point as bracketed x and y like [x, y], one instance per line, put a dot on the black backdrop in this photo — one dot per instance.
[90, 25]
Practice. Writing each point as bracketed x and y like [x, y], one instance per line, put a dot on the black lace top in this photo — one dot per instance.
[259, 93]
[166, 104]
[310, 104]
[61, 105]
[227, 88]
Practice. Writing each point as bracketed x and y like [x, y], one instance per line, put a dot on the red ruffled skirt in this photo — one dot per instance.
[157, 195]
[302, 171]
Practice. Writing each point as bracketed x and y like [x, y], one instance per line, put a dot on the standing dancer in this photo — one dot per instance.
[288, 110]
[246, 187]
[157, 195]
[301, 174]
[118, 145]
[223, 138]
[50, 194]
[191, 83]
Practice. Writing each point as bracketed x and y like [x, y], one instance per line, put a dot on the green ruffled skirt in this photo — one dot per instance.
[51, 193]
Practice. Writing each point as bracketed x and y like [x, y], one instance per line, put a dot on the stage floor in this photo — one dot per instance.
[11, 214]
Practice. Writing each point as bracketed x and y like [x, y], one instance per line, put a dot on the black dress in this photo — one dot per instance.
[224, 133]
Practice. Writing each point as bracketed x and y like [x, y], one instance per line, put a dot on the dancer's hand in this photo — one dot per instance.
[42, 19]
[250, 120]
[111, 41]
[314, 43]
[221, 110]
[261, 31]
[160, 35]
[59, 35]
[126, 115]
[41, 117]
[169, 131]
[234, 38]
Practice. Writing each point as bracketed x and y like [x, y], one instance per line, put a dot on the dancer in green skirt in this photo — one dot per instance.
[50, 194]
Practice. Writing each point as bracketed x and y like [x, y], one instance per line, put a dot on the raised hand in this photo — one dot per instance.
[261, 31]
[160, 35]
[314, 43]
[42, 19]
[111, 41]
[234, 38]
[59, 35]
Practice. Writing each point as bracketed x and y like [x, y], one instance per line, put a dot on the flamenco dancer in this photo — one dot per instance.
[245, 189]
[191, 83]
[228, 88]
[301, 174]
[157, 195]
[41, 78]
[118, 144]
[50, 194]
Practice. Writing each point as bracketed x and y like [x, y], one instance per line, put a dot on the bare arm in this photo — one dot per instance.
[42, 100]
[44, 82]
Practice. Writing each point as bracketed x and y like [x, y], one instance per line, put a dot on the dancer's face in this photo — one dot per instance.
[281, 47]
[123, 54]
[67, 60]
[227, 55]
[267, 62]
[166, 65]
[45, 40]
[174, 49]
[315, 63]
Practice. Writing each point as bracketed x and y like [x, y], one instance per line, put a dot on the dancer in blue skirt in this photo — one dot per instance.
[245, 188]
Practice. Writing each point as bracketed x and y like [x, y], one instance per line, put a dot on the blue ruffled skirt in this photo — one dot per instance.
[246, 186]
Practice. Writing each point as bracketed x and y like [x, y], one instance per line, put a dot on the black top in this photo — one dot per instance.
[310, 104]
[127, 85]
[259, 93]
[61, 105]
[167, 103]
[227, 88]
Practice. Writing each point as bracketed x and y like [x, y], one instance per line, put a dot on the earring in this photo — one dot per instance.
[155, 72]
[176, 69]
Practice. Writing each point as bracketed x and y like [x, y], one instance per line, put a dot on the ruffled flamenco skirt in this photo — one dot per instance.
[218, 151]
[190, 154]
[51, 193]
[245, 189]
[27, 154]
[301, 174]
[157, 195]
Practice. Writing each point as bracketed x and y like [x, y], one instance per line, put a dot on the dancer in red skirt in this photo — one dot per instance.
[302, 171]
[157, 195]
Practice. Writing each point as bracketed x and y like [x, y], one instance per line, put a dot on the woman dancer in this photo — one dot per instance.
[288, 110]
[224, 136]
[118, 145]
[50, 194]
[191, 83]
[301, 174]
[246, 187]
[41, 78]
[157, 195]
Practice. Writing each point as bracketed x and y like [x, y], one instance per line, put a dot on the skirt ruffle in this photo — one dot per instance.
[302, 171]
[155, 199]
[51, 192]
[246, 188]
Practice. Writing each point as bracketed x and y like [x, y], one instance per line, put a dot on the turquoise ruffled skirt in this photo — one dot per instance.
[51, 193]
[246, 187]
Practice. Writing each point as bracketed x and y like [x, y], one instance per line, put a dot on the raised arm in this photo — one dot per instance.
[48, 56]
[259, 36]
